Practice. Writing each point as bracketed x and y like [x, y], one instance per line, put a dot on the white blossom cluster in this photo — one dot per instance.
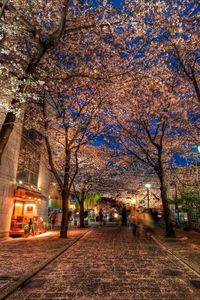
[5, 51]
[6, 108]
[11, 28]
[15, 84]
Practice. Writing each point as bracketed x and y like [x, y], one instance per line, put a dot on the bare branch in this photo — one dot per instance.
[3, 7]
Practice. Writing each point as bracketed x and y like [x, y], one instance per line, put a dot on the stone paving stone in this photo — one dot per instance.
[110, 264]
[19, 256]
[186, 245]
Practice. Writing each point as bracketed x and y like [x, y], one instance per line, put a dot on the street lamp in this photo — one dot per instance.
[148, 186]
[133, 202]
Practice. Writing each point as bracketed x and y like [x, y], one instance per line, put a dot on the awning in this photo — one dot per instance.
[24, 193]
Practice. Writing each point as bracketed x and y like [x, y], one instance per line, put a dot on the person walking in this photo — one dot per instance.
[30, 224]
[147, 222]
[134, 220]
[101, 217]
[52, 219]
[124, 216]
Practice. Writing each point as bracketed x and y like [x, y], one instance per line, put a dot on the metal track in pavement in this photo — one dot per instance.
[164, 248]
[19, 283]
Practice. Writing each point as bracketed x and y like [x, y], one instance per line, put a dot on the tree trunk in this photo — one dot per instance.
[64, 222]
[81, 204]
[196, 87]
[5, 132]
[167, 213]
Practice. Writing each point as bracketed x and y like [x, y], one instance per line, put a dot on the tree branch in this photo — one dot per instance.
[3, 7]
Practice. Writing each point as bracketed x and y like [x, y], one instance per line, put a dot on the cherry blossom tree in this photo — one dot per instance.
[82, 191]
[93, 166]
[67, 40]
[150, 132]
[141, 51]
[71, 122]
[172, 52]
[25, 41]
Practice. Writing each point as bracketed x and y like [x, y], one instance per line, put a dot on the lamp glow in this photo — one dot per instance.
[133, 201]
[148, 185]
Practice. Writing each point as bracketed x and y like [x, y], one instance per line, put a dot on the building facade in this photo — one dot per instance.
[24, 183]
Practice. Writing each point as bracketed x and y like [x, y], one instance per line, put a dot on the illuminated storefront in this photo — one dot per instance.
[29, 207]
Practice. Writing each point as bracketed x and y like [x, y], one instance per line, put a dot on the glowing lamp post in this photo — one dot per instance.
[198, 148]
[133, 202]
[148, 186]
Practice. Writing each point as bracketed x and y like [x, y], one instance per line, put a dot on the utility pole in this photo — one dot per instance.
[148, 198]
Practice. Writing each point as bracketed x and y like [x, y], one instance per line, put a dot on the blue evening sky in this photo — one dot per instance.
[118, 3]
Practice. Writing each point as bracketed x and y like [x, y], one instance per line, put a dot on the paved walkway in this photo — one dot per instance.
[20, 256]
[108, 263]
[186, 245]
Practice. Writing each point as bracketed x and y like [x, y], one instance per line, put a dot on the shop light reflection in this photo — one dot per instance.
[39, 236]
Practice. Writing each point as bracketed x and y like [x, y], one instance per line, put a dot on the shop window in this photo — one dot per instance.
[18, 209]
[29, 208]
[29, 158]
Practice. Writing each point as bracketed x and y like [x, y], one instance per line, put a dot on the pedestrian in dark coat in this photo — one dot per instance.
[124, 216]
[100, 217]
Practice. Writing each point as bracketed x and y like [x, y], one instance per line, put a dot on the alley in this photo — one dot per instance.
[108, 263]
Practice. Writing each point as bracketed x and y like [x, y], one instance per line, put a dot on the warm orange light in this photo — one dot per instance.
[133, 201]
[147, 185]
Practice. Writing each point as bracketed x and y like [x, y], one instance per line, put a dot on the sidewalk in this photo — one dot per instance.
[109, 263]
[186, 245]
[19, 256]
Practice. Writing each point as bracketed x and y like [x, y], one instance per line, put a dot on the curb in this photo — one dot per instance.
[164, 248]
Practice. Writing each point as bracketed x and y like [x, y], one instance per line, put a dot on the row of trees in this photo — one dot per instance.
[83, 71]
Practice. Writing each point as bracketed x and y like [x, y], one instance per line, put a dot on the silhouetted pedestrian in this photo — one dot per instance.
[30, 224]
[52, 219]
[101, 217]
[124, 216]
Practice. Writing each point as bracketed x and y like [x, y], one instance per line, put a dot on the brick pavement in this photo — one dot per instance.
[186, 245]
[108, 263]
[19, 256]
